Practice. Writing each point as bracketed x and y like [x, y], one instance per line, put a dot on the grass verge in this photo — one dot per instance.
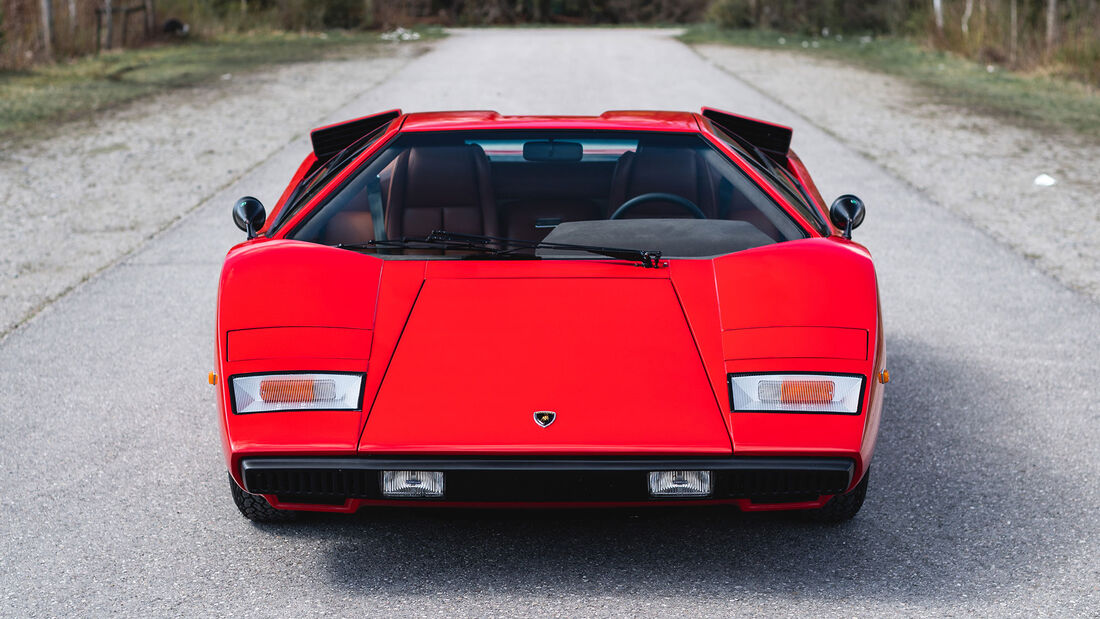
[64, 91]
[1032, 100]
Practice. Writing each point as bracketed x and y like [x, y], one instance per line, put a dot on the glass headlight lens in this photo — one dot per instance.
[282, 392]
[796, 393]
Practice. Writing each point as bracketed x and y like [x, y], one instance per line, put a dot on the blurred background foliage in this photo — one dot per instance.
[1059, 35]
[1063, 35]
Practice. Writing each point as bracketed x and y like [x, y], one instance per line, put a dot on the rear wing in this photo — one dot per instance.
[770, 137]
[327, 141]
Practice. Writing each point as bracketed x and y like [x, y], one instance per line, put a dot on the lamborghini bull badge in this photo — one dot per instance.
[545, 418]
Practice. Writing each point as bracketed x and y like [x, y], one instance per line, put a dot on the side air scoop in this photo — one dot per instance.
[331, 139]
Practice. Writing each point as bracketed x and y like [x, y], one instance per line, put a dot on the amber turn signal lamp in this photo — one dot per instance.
[212, 378]
[259, 393]
[806, 392]
[884, 376]
[286, 390]
[796, 392]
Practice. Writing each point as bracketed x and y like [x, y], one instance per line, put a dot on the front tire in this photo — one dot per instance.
[255, 507]
[842, 507]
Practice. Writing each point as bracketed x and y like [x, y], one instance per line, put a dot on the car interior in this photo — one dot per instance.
[524, 185]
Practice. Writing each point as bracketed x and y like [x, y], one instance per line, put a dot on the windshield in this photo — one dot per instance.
[525, 185]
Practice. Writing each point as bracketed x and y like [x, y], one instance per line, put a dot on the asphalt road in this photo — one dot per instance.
[984, 496]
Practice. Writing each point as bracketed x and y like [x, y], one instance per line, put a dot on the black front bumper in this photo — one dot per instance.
[334, 480]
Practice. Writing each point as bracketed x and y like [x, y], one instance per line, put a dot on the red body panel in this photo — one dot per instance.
[457, 355]
[316, 286]
[795, 343]
[298, 343]
[481, 355]
[625, 120]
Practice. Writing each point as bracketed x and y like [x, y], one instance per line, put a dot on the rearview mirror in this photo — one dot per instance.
[846, 213]
[249, 215]
[552, 150]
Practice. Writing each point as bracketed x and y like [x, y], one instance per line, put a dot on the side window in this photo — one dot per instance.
[741, 199]
[783, 183]
[312, 184]
[355, 212]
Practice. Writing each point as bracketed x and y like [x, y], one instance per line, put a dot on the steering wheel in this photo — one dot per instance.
[680, 201]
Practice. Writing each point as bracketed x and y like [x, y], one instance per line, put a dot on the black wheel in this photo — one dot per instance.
[255, 507]
[842, 507]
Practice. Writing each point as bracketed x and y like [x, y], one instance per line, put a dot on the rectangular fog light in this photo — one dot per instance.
[412, 484]
[679, 483]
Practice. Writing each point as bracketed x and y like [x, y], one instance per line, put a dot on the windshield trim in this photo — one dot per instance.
[292, 224]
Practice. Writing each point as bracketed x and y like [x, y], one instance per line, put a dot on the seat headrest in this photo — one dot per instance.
[664, 170]
[442, 176]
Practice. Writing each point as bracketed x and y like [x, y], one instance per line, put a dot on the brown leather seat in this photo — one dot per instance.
[662, 170]
[441, 188]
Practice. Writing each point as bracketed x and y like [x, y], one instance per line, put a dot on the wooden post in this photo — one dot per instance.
[47, 27]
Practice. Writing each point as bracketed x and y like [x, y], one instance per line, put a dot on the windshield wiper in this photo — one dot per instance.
[493, 246]
[430, 244]
[650, 259]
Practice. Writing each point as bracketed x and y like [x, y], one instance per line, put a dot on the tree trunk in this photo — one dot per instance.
[937, 8]
[150, 17]
[72, 21]
[1013, 34]
[1052, 13]
[109, 17]
[966, 17]
[368, 13]
[47, 28]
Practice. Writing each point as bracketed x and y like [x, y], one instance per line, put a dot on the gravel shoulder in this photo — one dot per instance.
[977, 166]
[96, 189]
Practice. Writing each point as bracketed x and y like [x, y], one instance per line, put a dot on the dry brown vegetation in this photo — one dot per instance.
[1054, 36]
[35, 31]
[1057, 36]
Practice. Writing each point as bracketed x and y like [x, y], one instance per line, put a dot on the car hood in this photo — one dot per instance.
[613, 358]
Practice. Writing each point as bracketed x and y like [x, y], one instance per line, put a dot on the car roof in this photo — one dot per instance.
[639, 120]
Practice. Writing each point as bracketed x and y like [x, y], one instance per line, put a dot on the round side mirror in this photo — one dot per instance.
[847, 213]
[249, 215]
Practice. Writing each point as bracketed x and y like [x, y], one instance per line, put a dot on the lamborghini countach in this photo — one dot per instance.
[469, 309]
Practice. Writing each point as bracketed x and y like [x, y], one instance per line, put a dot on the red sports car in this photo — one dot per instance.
[470, 309]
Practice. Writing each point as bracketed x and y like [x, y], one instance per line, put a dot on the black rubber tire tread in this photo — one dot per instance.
[842, 507]
[256, 508]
